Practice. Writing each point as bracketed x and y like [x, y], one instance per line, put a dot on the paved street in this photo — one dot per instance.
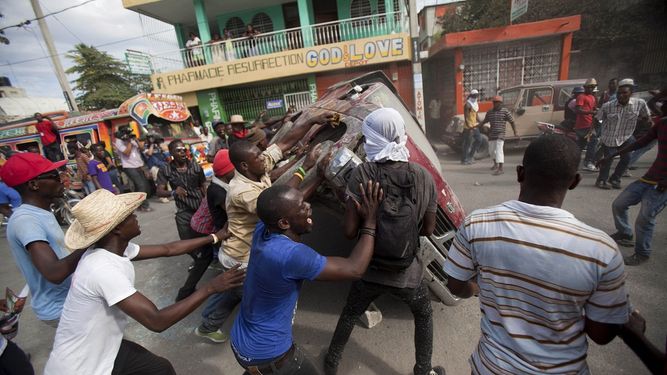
[386, 349]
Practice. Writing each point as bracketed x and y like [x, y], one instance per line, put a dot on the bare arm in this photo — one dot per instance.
[145, 312]
[601, 333]
[632, 334]
[300, 128]
[47, 263]
[428, 224]
[96, 182]
[128, 148]
[462, 289]
[161, 191]
[354, 266]
[178, 247]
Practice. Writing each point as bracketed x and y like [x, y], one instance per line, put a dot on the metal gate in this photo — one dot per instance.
[298, 100]
[510, 72]
[492, 68]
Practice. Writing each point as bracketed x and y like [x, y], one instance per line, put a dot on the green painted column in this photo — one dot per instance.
[210, 107]
[202, 27]
[389, 7]
[304, 19]
[312, 87]
[180, 37]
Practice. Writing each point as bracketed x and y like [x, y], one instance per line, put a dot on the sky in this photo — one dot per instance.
[96, 23]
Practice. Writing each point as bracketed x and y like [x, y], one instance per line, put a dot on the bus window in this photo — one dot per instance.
[29, 146]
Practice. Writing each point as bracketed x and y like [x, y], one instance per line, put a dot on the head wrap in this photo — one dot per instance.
[384, 130]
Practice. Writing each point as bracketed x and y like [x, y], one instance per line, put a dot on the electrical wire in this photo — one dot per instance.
[97, 46]
[62, 24]
[27, 22]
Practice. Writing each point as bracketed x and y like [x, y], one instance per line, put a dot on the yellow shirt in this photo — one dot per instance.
[471, 119]
[241, 205]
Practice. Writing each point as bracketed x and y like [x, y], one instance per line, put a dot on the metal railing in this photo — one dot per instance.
[282, 40]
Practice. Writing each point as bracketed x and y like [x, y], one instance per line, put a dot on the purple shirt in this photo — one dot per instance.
[97, 168]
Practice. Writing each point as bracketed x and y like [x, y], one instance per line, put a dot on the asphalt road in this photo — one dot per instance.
[388, 348]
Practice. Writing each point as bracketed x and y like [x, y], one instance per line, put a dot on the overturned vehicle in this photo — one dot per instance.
[351, 101]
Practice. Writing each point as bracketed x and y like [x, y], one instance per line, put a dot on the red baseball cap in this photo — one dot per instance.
[222, 164]
[24, 166]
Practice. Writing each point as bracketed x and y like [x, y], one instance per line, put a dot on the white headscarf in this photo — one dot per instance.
[474, 104]
[384, 130]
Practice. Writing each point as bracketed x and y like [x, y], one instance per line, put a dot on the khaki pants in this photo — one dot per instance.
[496, 150]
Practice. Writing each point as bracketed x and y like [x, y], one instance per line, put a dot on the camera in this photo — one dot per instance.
[124, 133]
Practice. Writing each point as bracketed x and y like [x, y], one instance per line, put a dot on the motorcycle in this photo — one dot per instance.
[62, 207]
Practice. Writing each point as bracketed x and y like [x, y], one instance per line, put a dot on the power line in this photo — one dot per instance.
[97, 46]
[27, 22]
[63, 25]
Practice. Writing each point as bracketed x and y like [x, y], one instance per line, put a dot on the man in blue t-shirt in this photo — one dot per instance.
[9, 200]
[262, 334]
[34, 235]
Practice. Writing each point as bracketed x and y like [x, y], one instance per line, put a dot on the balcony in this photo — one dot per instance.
[281, 41]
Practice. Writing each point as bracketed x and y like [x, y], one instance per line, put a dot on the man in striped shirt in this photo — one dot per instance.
[545, 279]
[497, 117]
[187, 182]
[619, 119]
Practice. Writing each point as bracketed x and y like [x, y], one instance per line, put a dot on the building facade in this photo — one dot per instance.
[299, 49]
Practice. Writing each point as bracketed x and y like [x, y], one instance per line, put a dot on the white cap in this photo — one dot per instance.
[474, 92]
[626, 82]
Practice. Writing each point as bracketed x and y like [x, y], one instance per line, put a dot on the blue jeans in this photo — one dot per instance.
[590, 145]
[636, 154]
[622, 165]
[652, 202]
[140, 181]
[299, 363]
[471, 141]
[218, 308]
[89, 187]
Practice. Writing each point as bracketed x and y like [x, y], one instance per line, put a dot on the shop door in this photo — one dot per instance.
[298, 100]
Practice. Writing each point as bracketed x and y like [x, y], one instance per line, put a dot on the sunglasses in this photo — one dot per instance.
[49, 176]
[180, 149]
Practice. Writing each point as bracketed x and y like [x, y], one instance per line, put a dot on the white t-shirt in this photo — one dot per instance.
[91, 326]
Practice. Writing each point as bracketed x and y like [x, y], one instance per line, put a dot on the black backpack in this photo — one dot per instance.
[397, 234]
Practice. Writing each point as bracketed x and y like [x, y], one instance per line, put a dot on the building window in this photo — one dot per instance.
[262, 23]
[236, 26]
[360, 8]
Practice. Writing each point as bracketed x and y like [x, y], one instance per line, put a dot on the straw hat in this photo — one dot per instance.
[236, 119]
[98, 214]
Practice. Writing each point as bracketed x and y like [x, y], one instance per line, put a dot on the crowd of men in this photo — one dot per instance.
[546, 281]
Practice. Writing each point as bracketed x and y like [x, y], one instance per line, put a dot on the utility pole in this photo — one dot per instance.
[416, 64]
[60, 73]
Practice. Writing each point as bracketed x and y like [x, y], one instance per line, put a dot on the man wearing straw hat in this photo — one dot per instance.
[89, 339]
[34, 235]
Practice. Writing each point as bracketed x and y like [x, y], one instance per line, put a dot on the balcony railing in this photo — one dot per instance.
[282, 40]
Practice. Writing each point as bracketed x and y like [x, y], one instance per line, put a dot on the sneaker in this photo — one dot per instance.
[215, 336]
[498, 172]
[602, 185]
[164, 200]
[623, 239]
[627, 173]
[615, 184]
[635, 259]
[437, 370]
[590, 167]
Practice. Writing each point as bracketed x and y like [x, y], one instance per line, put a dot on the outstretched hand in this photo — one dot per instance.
[228, 280]
[312, 157]
[371, 196]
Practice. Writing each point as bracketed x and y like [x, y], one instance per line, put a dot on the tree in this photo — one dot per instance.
[604, 23]
[103, 82]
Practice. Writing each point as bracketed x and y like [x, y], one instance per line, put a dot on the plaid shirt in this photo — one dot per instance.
[619, 121]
